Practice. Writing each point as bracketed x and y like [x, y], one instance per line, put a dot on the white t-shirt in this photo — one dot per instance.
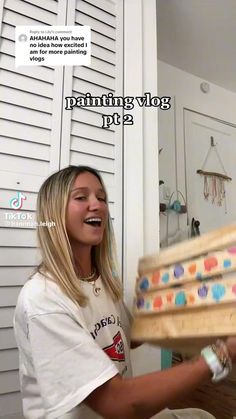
[67, 351]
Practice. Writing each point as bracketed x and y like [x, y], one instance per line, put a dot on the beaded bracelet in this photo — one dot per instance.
[218, 360]
[222, 354]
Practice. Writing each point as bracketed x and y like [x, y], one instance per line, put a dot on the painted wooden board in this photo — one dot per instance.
[198, 294]
[198, 269]
[218, 239]
[186, 295]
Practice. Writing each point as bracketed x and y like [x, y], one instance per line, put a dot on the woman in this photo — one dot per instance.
[71, 326]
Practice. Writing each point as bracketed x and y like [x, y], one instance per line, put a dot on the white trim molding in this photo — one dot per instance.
[141, 191]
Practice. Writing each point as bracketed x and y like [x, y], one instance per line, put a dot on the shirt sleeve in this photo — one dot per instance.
[69, 364]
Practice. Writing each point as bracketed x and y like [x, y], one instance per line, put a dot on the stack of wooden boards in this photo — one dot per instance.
[186, 295]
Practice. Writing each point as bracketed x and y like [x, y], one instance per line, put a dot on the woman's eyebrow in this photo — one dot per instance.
[80, 189]
[84, 188]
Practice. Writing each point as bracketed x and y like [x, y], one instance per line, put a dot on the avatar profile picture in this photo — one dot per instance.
[22, 37]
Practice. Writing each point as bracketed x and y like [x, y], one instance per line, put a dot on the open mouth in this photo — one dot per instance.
[94, 222]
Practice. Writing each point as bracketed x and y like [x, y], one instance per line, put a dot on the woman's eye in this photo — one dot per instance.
[81, 198]
[102, 199]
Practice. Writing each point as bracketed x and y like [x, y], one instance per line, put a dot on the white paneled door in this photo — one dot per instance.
[38, 136]
[210, 145]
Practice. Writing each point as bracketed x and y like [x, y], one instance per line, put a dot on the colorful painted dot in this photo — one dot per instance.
[156, 277]
[234, 288]
[218, 291]
[210, 263]
[191, 299]
[232, 250]
[144, 284]
[180, 299]
[227, 263]
[178, 271]
[147, 305]
[169, 297]
[192, 268]
[140, 303]
[165, 277]
[198, 276]
[157, 303]
[203, 291]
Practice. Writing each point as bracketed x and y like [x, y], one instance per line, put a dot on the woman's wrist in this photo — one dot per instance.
[218, 359]
[204, 365]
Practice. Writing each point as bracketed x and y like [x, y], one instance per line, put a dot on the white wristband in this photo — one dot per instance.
[219, 372]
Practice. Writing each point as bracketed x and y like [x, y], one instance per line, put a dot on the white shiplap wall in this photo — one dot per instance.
[38, 137]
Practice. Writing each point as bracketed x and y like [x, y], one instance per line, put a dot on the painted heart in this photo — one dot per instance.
[203, 291]
[140, 303]
[227, 263]
[169, 297]
[144, 284]
[178, 271]
[156, 277]
[191, 299]
[192, 268]
[180, 298]
[157, 302]
[148, 305]
[165, 278]
[234, 289]
[218, 291]
[210, 263]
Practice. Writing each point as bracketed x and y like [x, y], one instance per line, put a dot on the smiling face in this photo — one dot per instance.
[87, 211]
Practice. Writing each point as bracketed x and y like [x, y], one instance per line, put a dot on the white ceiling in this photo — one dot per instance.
[199, 36]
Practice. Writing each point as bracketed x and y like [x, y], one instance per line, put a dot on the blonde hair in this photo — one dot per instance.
[57, 257]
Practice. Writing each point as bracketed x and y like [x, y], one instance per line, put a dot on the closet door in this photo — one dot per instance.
[30, 118]
[37, 137]
[84, 141]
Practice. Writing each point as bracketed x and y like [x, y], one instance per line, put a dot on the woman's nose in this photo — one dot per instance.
[94, 203]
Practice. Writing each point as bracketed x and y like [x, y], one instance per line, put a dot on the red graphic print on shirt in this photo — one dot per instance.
[115, 351]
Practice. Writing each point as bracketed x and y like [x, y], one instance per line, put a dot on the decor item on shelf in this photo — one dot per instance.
[195, 230]
[214, 182]
[161, 182]
[179, 208]
[162, 207]
[175, 204]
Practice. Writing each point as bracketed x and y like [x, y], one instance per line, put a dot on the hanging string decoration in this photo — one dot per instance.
[214, 182]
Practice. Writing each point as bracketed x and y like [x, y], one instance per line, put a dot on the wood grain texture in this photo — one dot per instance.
[186, 331]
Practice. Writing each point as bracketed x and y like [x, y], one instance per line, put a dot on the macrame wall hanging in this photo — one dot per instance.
[214, 182]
